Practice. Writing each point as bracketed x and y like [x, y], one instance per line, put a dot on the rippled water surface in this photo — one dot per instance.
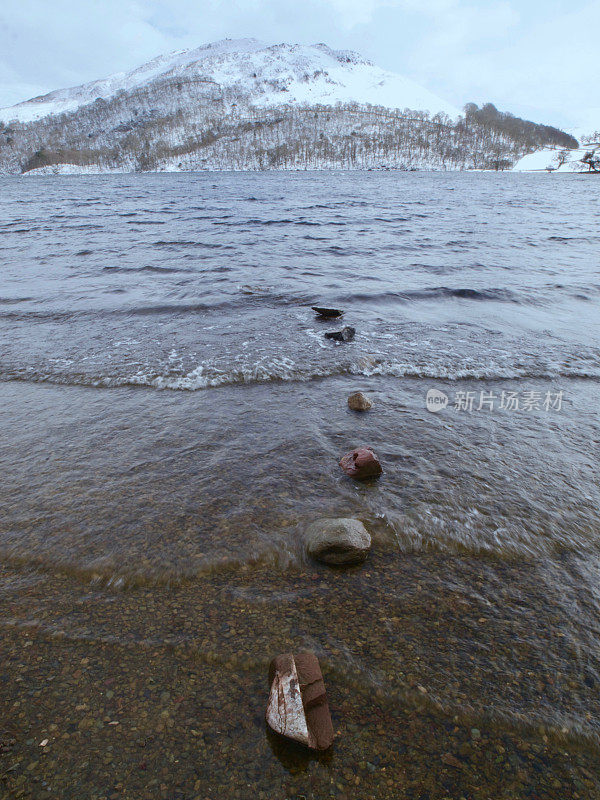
[172, 417]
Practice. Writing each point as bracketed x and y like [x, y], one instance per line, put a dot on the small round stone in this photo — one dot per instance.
[359, 402]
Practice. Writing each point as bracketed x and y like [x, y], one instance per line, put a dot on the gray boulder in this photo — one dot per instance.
[338, 541]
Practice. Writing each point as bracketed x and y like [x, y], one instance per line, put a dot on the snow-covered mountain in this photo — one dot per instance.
[267, 75]
[243, 105]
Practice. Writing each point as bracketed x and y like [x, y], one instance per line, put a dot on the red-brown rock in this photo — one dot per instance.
[361, 464]
[298, 707]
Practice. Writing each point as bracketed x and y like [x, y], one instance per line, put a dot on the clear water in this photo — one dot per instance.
[172, 417]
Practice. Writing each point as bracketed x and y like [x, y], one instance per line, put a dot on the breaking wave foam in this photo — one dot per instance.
[276, 370]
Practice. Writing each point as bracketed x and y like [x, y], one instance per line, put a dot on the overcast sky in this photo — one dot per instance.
[537, 58]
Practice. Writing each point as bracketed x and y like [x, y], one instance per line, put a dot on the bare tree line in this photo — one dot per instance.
[195, 125]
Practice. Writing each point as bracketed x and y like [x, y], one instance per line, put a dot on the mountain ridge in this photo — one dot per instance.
[244, 105]
[307, 73]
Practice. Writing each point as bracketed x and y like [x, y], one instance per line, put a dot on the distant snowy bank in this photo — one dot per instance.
[554, 159]
[74, 169]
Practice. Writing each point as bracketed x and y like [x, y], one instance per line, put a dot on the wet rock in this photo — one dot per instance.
[297, 706]
[314, 698]
[285, 712]
[345, 335]
[327, 313]
[361, 464]
[359, 402]
[338, 541]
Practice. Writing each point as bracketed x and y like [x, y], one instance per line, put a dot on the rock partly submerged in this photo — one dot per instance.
[338, 541]
[361, 464]
[345, 335]
[327, 313]
[297, 706]
[359, 402]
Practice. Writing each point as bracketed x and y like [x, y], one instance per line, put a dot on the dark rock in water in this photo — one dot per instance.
[338, 541]
[359, 402]
[345, 335]
[328, 313]
[361, 464]
[314, 698]
[298, 707]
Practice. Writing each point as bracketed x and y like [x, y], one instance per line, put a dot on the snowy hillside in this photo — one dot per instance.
[243, 105]
[280, 74]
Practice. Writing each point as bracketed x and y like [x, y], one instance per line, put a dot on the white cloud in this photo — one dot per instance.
[531, 56]
[541, 65]
[357, 12]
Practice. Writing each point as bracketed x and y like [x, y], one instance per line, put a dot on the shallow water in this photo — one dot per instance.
[172, 419]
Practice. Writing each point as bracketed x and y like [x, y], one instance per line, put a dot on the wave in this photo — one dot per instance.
[10, 300]
[146, 222]
[188, 243]
[279, 370]
[572, 238]
[87, 313]
[148, 268]
[120, 577]
[498, 294]
[245, 296]
[267, 296]
[237, 223]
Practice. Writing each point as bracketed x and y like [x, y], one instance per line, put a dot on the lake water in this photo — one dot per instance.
[172, 419]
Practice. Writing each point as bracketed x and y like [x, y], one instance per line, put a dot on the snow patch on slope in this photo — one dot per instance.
[541, 160]
[547, 160]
